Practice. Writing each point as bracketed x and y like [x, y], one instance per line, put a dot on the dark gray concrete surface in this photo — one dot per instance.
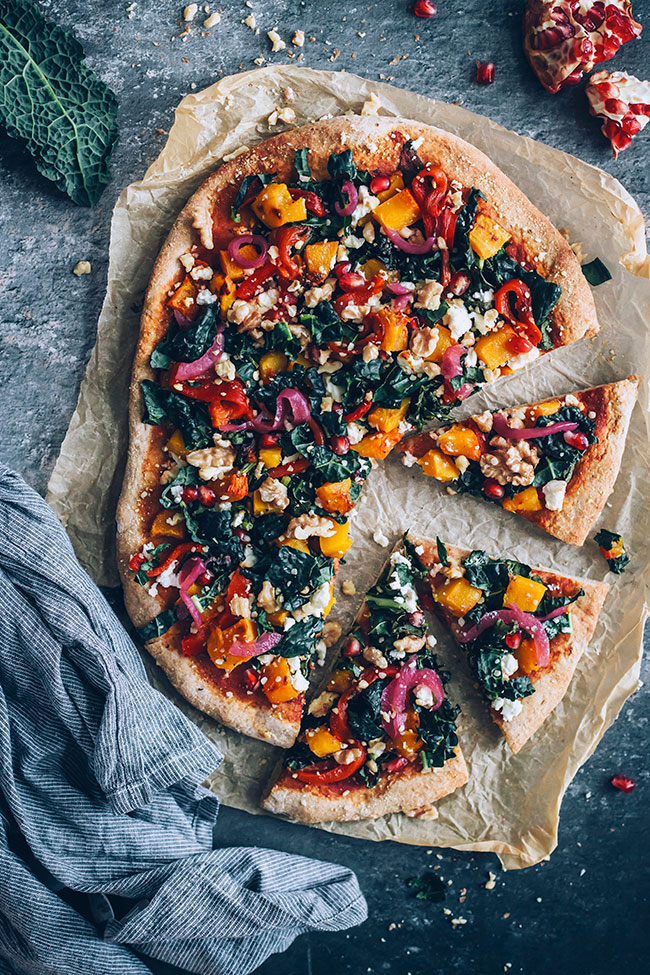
[585, 911]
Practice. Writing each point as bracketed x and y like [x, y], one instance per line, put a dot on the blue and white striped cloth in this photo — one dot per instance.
[100, 794]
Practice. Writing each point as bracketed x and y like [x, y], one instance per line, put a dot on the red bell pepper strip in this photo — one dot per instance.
[248, 287]
[293, 467]
[313, 202]
[521, 318]
[319, 436]
[359, 411]
[174, 555]
[284, 239]
[194, 643]
[136, 561]
[429, 187]
[317, 775]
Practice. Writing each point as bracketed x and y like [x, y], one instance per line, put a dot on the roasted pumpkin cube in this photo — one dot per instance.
[270, 456]
[443, 343]
[271, 364]
[409, 743]
[262, 507]
[543, 409]
[335, 546]
[493, 349]
[275, 206]
[377, 445]
[176, 444]
[168, 523]
[458, 596]
[460, 441]
[395, 333]
[436, 464]
[526, 500]
[276, 681]
[335, 496]
[320, 258]
[322, 742]
[220, 641]
[526, 656]
[230, 268]
[525, 593]
[299, 544]
[398, 211]
[332, 601]
[371, 268]
[486, 236]
[184, 298]
[225, 288]
[386, 420]
[233, 487]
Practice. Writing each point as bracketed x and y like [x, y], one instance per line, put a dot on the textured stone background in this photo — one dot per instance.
[582, 912]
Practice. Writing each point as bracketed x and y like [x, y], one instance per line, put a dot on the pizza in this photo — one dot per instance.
[319, 297]
[524, 629]
[566, 39]
[622, 102]
[381, 735]
[553, 462]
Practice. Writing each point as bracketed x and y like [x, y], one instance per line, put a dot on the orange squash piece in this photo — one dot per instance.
[386, 420]
[435, 464]
[335, 496]
[275, 206]
[458, 596]
[525, 593]
[493, 349]
[336, 545]
[320, 258]
[526, 500]
[377, 445]
[486, 237]
[161, 526]
[460, 441]
[276, 681]
[322, 742]
[398, 211]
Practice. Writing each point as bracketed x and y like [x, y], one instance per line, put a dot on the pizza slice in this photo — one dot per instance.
[320, 296]
[565, 39]
[554, 462]
[381, 737]
[524, 629]
[622, 102]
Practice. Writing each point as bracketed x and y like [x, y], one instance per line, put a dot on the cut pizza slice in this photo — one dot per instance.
[622, 102]
[381, 736]
[319, 297]
[524, 629]
[565, 39]
[554, 462]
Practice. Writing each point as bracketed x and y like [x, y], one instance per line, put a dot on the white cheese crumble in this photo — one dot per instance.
[507, 709]
[509, 665]
[554, 493]
[380, 538]
[519, 361]
[457, 319]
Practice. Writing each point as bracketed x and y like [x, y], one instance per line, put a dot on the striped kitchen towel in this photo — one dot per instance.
[106, 834]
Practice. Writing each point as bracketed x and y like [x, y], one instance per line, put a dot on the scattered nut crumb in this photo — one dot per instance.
[287, 115]
[331, 633]
[260, 60]
[371, 105]
[250, 21]
[82, 267]
[456, 922]
[212, 20]
[276, 41]
[491, 883]
[190, 12]
[298, 38]
[348, 587]
[272, 119]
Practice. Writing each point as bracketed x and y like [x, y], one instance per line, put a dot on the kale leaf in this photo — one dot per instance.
[325, 325]
[191, 417]
[300, 640]
[297, 575]
[157, 626]
[605, 540]
[559, 458]
[187, 344]
[490, 575]
[341, 165]
[596, 273]
[428, 887]
[54, 102]
[364, 711]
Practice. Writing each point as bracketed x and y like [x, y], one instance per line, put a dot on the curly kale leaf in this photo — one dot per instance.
[187, 344]
[606, 540]
[191, 418]
[54, 102]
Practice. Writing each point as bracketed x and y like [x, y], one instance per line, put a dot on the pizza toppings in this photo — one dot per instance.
[623, 103]
[524, 461]
[385, 706]
[485, 72]
[566, 39]
[613, 550]
[507, 618]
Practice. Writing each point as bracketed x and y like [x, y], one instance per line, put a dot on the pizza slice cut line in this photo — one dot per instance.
[554, 462]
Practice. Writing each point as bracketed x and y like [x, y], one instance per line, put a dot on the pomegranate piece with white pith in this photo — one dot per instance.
[565, 39]
[622, 102]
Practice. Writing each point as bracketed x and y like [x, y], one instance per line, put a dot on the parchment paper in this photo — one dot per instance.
[511, 803]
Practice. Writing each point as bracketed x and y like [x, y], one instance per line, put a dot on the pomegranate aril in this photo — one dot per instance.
[492, 488]
[424, 8]
[351, 281]
[577, 439]
[615, 106]
[352, 648]
[342, 268]
[189, 494]
[251, 679]
[513, 640]
[622, 783]
[207, 496]
[639, 108]
[396, 764]
[269, 439]
[630, 124]
[340, 445]
[485, 72]
[519, 344]
[379, 184]
[205, 578]
[459, 283]
[416, 618]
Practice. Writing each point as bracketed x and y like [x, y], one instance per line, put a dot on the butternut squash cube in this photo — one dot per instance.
[436, 464]
[320, 258]
[460, 441]
[275, 206]
[335, 546]
[270, 456]
[271, 364]
[526, 500]
[387, 420]
[486, 236]
[299, 544]
[397, 212]
[458, 596]
[525, 593]
[322, 742]
[396, 184]
[377, 445]
[527, 656]
[443, 343]
[230, 268]
[276, 681]
[544, 409]
[168, 525]
[493, 349]
[335, 496]
[176, 444]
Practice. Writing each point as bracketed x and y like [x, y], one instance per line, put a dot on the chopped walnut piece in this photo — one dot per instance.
[510, 461]
[331, 633]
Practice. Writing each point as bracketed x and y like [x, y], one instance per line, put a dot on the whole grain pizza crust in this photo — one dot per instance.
[206, 221]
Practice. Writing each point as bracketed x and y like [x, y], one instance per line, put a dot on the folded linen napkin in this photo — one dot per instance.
[100, 795]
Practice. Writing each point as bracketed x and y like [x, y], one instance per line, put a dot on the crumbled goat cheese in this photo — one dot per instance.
[519, 361]
[554, 493]
[380, 538]
[457, 319]
[509, 665]
[507, 709]
[206, 297]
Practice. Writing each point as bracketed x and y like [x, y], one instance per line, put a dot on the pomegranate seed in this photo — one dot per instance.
[352, 648]
[615, 106]
[492, 488]
[513, 640]
[424, 8]
[251, 679]
[269, 440]
[416, 618]
[396, 764]
[519, 344]
[337, 407]
[638, 108]
[207, 496]
[485, 72]
[205, 578]
[622, 783]
[340, 445]
[137, 561]
[351, 281]
[630, 124]
[575, 438]
[242, 535]
[379, 184]
[189, 494]
[459, 283]
[342, 268]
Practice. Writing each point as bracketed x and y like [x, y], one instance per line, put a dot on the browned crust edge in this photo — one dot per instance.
[550, 687]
